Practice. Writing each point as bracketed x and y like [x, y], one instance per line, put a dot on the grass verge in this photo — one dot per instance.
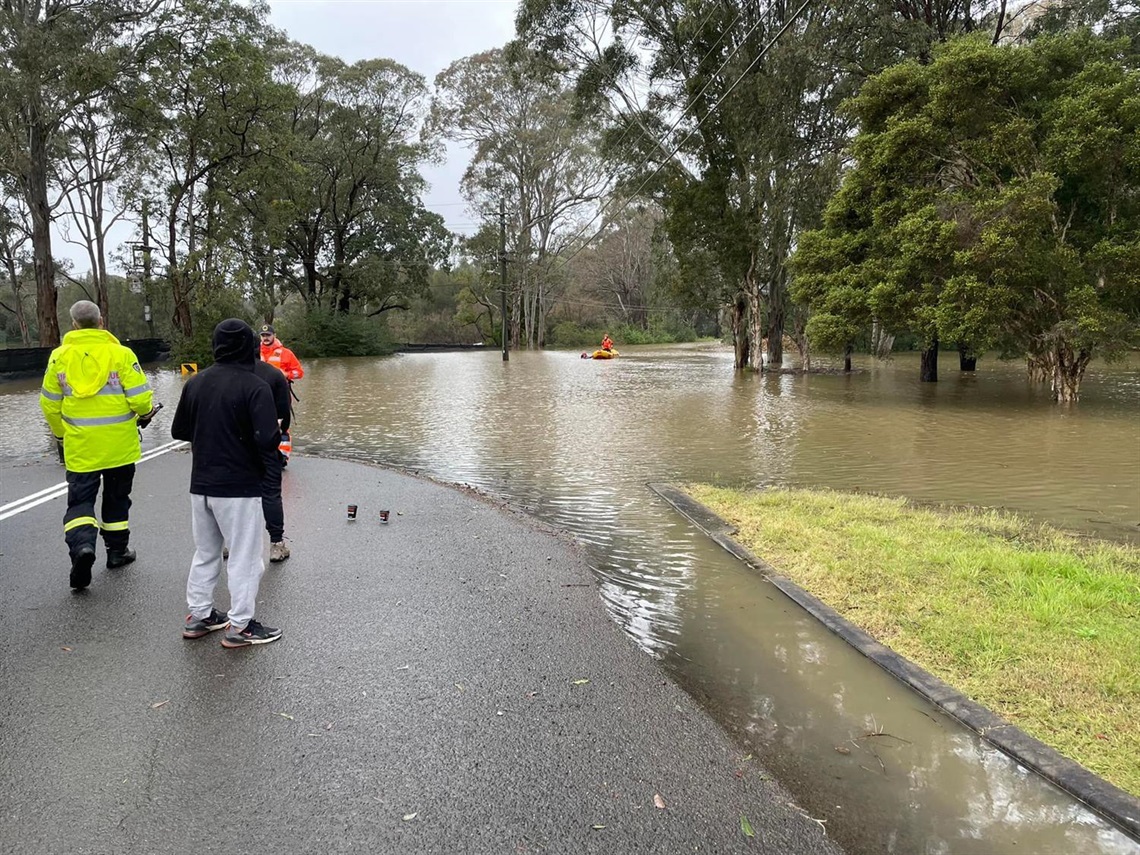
[1040, 626]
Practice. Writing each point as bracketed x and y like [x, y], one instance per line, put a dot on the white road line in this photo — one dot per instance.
[32, 496]
[46, 495]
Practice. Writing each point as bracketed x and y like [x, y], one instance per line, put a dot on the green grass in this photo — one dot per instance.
[1040, 626]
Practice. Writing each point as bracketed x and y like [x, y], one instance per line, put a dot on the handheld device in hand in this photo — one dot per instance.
[145, 420]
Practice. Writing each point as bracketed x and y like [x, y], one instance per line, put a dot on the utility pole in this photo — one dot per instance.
[148, 314]
[503, 272]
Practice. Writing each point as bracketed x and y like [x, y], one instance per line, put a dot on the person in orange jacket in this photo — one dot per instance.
[607, 342]
[279, 356]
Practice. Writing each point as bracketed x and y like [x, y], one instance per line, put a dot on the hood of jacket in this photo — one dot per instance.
[85, 357]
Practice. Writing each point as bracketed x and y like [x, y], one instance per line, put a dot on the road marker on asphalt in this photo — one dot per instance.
[26, 503]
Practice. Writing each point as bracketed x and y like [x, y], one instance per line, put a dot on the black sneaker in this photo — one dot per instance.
[81, 564]
[254, 633]
[120, 558]
[197, 627]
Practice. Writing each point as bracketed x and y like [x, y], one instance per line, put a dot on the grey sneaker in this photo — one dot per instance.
[225, 553]
[278, 551]
[254, 633]
[197, 627]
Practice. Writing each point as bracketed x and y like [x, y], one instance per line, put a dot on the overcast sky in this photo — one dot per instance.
[424, 35]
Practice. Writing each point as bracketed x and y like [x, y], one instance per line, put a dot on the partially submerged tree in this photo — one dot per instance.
[995, 200]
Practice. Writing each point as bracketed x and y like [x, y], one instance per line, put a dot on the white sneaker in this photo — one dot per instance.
[278, 551]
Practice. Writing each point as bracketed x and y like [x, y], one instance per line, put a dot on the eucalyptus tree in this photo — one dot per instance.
[15, 257]
[100, 145]
[478, 268]
[56, 56]
[724, 113]
[533, 152]
[354, 231]
[621, 269]
[213, 113]
[995, 199]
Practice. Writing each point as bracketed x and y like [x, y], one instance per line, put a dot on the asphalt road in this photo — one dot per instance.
[448, 682]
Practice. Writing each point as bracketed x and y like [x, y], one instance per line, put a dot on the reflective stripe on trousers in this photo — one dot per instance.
[80, 526]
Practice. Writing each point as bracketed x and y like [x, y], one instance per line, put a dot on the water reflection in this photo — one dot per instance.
[577, 440]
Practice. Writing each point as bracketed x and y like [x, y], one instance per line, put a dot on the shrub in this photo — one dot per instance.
[320, 333]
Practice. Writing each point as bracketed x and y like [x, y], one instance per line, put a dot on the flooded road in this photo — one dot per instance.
[575, 441]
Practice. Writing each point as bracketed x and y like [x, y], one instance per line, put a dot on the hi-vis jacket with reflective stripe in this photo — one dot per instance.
[93, 392]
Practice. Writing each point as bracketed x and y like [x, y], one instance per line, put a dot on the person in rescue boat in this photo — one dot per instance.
[607, 342]
[279, 356]
[94, 396]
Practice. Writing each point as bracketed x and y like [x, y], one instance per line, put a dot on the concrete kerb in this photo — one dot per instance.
[1112, 803]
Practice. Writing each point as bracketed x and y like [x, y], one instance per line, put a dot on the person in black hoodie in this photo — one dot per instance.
[228, 416]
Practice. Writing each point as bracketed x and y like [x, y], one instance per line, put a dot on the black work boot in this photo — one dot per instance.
[119, 557]
[81, 563]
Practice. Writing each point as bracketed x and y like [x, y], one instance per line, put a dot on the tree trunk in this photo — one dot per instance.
[541, 319]
[739, 334]
[102, 290]
[1039, 367]
[47, 315]
[18, 302]
[338, 286]
[516, 318]
[804, 351]
[183, 321]
[967, 361]
[776, 320]
[181, 318]
[847, 358]
[928, 367]
[1068, 371]
[882, 341]
[755, 327]
[311, 297]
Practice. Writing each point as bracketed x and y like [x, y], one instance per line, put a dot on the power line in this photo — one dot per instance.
[694, 129]
[630, 126]
[708, 53]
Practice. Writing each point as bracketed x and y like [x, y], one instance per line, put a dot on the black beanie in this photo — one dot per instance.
[234, 341]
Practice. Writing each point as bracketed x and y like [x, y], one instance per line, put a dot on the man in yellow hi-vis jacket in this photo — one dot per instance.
[93, 394]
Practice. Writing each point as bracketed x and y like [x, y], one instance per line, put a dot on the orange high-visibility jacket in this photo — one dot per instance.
[278, 355]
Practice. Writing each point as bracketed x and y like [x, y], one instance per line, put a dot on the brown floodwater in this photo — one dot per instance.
[576, 441]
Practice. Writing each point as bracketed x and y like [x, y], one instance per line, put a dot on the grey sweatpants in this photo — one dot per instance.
[217, 521]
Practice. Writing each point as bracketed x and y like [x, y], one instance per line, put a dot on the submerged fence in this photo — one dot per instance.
[31, 360]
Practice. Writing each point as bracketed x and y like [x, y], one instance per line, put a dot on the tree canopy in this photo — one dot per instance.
[994, 201]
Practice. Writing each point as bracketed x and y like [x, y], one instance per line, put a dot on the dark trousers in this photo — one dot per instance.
[271, 505]
[79, 524]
